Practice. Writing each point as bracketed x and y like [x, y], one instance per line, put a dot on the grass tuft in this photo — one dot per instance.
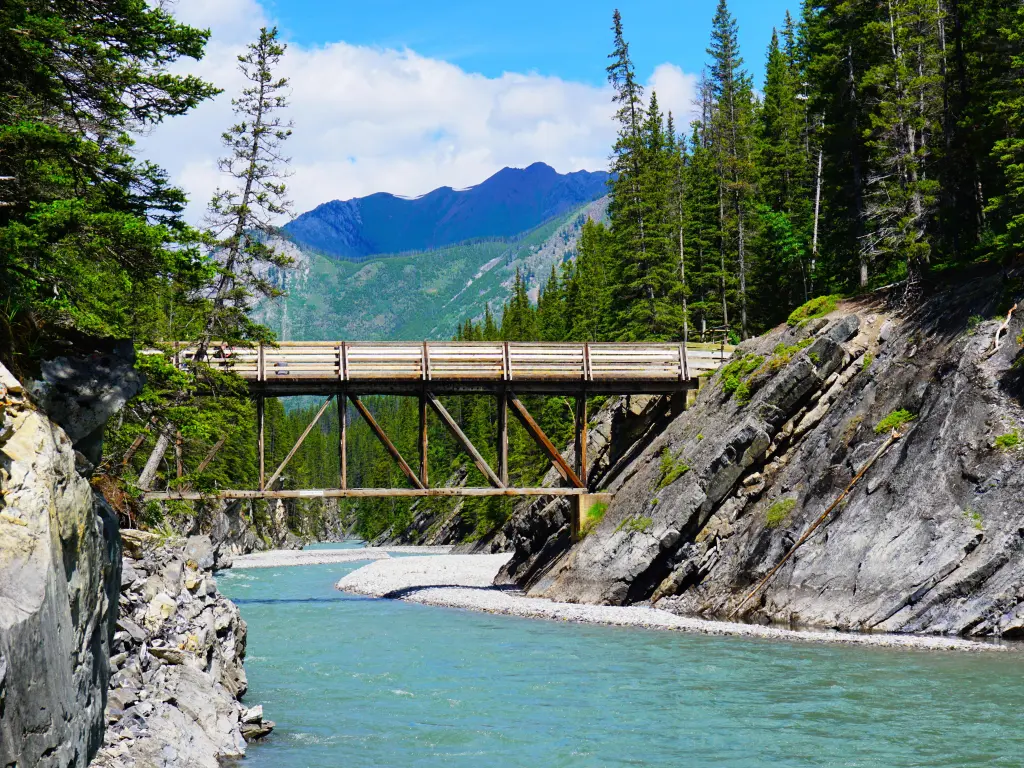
[594, 517]
[815, 308]
[635, 524]
[672, 468]
[778, 512]
[1009, 441]
[894, 420]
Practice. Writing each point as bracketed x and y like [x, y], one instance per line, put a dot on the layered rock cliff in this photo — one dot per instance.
[59, 577]
[931, 540]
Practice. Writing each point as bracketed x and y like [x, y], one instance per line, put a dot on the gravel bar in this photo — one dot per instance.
[465, 581]
[279, 558]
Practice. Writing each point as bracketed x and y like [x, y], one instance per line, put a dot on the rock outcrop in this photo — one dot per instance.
[931, 540]
[175, 696]
[81, 392]
[59, 577]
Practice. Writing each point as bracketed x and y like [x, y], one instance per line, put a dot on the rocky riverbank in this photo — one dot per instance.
[466, 581]
[178, 680]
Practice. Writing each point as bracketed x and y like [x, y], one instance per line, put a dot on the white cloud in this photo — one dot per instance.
[676, 93]
[373, 120]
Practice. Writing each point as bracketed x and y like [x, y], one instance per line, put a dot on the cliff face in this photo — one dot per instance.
[930, 540]
[59, 576]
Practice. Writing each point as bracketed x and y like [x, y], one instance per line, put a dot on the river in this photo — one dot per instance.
[355, 682]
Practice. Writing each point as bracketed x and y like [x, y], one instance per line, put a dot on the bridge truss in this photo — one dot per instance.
[347, 371]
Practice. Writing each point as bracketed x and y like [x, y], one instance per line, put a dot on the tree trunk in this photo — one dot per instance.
[163, 440]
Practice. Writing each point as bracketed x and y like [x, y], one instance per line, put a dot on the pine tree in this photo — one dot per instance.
[732, 92]
[904, 89]
[242, 219]
[1007, 208]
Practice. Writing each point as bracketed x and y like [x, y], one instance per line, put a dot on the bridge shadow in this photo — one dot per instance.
[398, 594]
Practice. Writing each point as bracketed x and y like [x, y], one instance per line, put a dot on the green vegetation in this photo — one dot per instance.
[1008, 441]
[815, 308]
[855, 165]
[635, 525]
[672, 468]
[593, 520]
[737, 373]
[974, 518]
[974, 321]
[779, 512]
[866, 361]
[895, 420]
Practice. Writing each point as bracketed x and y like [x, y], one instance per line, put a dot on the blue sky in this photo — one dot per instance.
[566, 38]
[404, 97]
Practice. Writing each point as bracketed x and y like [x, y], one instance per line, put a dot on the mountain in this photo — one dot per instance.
[415, 295]
[511, 202]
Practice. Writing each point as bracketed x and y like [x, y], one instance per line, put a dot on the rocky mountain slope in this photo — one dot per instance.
[708, 501]
[415, 295]
[510, 202]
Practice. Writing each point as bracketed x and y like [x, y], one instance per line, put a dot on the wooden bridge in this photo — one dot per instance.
[345, 371]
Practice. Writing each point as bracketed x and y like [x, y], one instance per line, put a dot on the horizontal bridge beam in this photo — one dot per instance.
[354, 493]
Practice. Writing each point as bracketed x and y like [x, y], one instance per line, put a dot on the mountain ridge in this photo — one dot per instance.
[508, 203]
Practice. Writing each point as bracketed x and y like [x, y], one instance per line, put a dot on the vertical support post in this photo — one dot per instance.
[343, 439]
[424, 473]
[503, 437]
[261, 443]
[581, 437]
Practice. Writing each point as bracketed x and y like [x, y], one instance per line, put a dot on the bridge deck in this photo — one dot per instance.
[313, 367]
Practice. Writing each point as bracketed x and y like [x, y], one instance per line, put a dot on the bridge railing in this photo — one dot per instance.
[451, 361]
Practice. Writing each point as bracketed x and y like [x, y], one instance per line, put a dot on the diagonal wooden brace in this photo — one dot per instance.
[388, 445]
[298, 444]
[542, 440]
[453, 427]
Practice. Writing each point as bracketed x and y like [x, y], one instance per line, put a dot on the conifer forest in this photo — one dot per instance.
[884, 146]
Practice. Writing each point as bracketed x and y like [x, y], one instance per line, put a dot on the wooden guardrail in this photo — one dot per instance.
[344, 361]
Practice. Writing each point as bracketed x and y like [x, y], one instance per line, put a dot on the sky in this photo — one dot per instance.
[405, 96]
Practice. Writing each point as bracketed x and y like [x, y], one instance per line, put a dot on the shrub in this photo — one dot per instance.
[672, 468]
[818, 307]
[777, 513]
[866, 361]
[635, 524]
[1009, 441]
[895, 420]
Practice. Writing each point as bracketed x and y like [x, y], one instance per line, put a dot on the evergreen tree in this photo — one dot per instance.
[242, 219]
[732, 91]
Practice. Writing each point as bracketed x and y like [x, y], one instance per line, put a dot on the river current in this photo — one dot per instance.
[353, 681]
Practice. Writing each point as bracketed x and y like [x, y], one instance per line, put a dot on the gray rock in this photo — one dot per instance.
[199, 549]
[80, 393]
[59, 579]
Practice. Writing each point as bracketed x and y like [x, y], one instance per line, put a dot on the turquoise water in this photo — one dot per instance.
[358, 682]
